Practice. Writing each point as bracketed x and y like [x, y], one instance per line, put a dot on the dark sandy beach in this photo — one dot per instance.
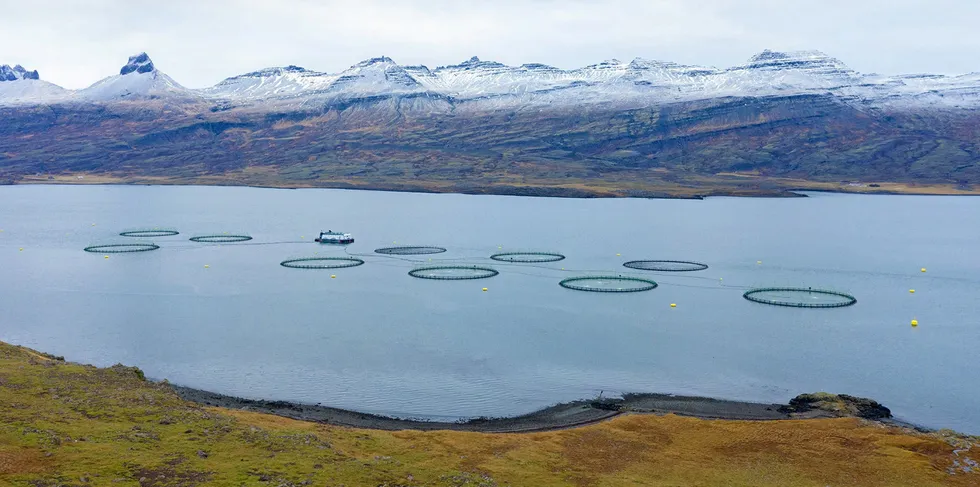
[565, 415]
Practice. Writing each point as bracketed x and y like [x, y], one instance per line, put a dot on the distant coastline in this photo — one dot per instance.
[743, 186]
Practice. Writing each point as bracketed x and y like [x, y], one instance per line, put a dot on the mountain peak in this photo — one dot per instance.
[640, 63]
[139, 63]
[374, 60]
[769, 56]
[815, 61]
[538, 67]
[473, 63]
[15, 73]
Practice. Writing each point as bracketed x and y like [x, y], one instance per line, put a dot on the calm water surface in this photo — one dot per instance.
[375, 339]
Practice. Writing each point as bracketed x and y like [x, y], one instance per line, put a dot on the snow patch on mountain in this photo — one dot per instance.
[31, 92]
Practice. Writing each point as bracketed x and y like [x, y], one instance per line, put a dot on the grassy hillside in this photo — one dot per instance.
[67, 424]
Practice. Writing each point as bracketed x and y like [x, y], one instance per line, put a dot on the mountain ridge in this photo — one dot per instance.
[612, 81]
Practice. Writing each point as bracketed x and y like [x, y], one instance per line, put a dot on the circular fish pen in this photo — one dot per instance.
[410, 250]
[121, 248]
[800, 297]
[149, 233]
[527, 257]
[453, 272]
[608, 284]
[322, 263]
[666, 265]
[221, 238]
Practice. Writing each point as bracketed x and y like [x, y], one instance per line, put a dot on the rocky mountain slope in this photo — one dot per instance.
[637, 127]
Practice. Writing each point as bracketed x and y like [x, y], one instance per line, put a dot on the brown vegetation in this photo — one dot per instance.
[68, 424]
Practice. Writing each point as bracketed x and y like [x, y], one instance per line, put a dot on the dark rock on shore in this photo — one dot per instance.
[840, 405]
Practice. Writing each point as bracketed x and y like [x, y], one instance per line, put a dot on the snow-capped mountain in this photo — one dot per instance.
[481, 85]
[488, 85]
[475, 78]
[376, 76]
[20, 86]
[270, 83]
[137, 79]
[299, 87]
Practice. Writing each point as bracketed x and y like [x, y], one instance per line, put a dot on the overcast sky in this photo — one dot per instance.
[200, 42]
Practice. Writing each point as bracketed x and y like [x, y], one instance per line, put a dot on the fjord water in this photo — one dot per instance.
[375, 339]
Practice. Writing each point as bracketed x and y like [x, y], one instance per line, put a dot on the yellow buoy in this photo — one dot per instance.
[484, 289]
[107, 257]
[617, 255]
[758, 262]
[93, 224]
[333, 276]
[911, 291]
[672, 305]
[22, 249]
[207, 266]
[915, 322]
[923, 269]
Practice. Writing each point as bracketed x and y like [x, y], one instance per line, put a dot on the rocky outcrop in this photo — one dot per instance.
[16, 73]
[840, 405]
[139, 63]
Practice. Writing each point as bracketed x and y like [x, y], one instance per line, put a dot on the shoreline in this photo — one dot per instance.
[561, 416]
[556, 417]
[777, 188]
[68, 423]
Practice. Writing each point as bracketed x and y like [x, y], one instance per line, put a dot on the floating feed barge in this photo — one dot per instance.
[332, 237]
